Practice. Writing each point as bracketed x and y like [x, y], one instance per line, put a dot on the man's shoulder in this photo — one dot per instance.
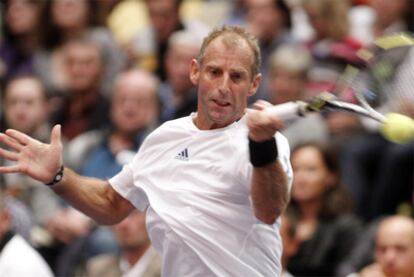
[173, 125]
[168, 131]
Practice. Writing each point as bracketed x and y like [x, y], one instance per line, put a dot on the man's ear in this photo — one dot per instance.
[255, 84]
[194, 72]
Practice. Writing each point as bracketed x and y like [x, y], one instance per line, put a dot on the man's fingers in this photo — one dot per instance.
[56, 134]
[19, 136]
[9, 155]
[10, 142]
[277, 123]
[10, 169]
[261, 105]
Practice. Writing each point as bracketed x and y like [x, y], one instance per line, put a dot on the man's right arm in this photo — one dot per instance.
[94, 197]
[41, 161]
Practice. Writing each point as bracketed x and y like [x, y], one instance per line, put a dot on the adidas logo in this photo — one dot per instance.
[183, 155]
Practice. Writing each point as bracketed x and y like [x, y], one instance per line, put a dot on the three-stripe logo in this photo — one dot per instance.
[183, 155]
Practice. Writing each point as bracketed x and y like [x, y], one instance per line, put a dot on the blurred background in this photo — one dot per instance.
[110, 71]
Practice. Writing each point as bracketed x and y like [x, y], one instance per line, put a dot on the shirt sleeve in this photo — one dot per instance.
[123, 183]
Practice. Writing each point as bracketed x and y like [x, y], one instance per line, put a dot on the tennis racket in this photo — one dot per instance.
[381, 79]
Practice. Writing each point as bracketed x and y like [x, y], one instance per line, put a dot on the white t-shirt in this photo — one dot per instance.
[19, 259]
[197, 186]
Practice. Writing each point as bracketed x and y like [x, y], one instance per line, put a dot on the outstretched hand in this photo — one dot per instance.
[38, 160]
[261, 125]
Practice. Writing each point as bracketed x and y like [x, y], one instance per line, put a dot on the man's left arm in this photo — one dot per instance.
[269, 183]
[269, 192]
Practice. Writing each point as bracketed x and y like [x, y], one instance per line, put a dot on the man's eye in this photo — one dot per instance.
[215, 72]
[236, 77]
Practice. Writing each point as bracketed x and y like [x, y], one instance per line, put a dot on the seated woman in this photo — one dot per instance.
[326, 230]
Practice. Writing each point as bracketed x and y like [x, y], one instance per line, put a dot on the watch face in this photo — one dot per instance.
[58, 177]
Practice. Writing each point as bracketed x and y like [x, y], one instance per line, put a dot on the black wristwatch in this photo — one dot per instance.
[58, 177]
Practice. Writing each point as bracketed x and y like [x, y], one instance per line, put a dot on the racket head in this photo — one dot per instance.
[386, 73]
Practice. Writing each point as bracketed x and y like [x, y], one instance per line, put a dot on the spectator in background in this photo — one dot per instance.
[83, 108]
[370, 162]
[102, 153]
[124, 18]
[65, 20]
[409, 16]
[389, 16]
[20, 37]
[288, 75]
[149, 45]
[26, 109]
[17, 257]
[326, 229]
[289, 240]
[394, 249]
[394, 192]
[270, 22]
[177, 94]
[136, 258]
[332, 47]
[134, 113]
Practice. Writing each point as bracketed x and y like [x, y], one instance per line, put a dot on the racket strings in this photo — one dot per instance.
[389, 79]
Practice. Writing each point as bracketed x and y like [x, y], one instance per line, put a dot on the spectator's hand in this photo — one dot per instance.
[261, 125]
[36, 159]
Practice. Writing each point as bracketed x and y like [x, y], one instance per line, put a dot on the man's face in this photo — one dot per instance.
[178, 66]
[21, 16]
[25, 105]
[83, 66]
[312, 177]
[285, 86]
[264, 19]
[395, 249]
[388, 12]
[69, 14]
[224, 81]
[164, 17]
[134, 105]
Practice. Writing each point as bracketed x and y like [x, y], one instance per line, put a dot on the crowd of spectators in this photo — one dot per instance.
[111, 71]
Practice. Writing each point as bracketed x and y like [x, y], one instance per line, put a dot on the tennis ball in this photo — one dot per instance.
[398, 128]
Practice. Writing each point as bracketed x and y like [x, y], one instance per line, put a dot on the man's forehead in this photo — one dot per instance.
[230, 41]
[232, 68]
[218, 48]
[26, 85]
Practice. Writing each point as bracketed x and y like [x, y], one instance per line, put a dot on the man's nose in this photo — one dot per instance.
[224, 86]
[390, 255]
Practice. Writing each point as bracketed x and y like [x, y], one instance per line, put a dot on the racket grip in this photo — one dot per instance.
[287, 112]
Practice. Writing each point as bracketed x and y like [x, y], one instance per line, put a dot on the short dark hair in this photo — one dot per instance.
[285, 10]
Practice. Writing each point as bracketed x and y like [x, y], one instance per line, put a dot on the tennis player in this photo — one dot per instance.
[213, 183]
